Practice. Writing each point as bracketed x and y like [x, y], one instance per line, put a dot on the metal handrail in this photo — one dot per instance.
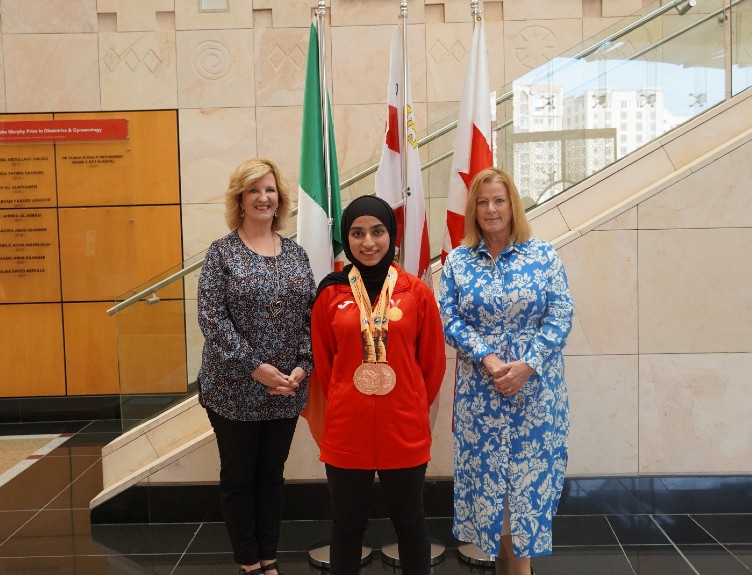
[156, 287]
[435, 135]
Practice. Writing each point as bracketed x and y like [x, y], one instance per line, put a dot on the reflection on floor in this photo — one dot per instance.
[613, 526]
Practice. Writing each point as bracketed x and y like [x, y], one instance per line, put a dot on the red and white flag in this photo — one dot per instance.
[473, 143]
[412, 234]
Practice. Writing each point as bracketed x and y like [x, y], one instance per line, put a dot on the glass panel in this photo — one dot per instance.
[741, 45]
[573, 116]
[159, 346]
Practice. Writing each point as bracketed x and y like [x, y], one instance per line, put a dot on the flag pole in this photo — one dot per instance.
[324, 92]
[476, 12]
[405, 113]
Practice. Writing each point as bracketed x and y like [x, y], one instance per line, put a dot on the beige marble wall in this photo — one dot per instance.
[665, 286]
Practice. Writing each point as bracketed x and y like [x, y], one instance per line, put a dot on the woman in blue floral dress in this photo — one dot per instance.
[506, 308]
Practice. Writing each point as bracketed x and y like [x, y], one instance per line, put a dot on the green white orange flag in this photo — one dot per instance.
[322, 242]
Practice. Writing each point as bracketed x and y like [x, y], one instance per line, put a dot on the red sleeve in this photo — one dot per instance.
[322, 339]
[431, 351]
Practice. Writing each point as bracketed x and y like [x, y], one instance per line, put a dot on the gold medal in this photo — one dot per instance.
[394, 314]
[389, 379]
[368, 378]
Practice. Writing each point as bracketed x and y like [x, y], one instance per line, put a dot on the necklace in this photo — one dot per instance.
[276, 305]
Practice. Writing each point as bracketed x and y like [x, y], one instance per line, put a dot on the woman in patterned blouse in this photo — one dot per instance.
[506, 308]
[254, 302]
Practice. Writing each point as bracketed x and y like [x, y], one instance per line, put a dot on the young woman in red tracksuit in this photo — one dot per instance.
[378, 350]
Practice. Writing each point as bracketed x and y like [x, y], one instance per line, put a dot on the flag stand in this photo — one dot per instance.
[390, 551]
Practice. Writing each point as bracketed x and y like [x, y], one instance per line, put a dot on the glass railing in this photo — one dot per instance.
[555, 126]
[586, 109]
[158, 343]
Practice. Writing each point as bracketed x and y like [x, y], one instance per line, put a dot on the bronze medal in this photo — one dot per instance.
[374, 376]
[389, 379]
[368, 378]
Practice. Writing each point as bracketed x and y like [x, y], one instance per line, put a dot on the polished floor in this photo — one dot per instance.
[610, 526]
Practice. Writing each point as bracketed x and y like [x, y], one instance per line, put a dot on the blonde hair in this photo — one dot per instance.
[521, 231]
[242, 178]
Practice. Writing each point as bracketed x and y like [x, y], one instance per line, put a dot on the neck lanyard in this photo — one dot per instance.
[373, 376]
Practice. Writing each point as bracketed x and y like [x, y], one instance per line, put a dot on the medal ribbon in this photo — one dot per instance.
[374, 323]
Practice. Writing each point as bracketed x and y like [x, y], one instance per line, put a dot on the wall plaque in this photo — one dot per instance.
[27, 176]
[29, 257]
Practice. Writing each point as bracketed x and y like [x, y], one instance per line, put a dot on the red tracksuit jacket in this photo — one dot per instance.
[378, 431]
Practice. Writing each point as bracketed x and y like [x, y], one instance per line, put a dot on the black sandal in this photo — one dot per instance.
[256, 571]
[272, 567]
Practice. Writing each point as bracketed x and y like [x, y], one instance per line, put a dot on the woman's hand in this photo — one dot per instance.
[495, 366]
[516, 373]
[277, 382]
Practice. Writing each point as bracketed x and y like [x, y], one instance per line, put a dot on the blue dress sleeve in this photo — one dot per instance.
[557, 320]
[457, 332]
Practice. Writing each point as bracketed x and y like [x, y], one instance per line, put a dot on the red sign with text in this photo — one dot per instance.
[29, 131]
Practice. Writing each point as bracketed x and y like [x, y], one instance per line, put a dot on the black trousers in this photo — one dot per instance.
[350, 492]
[252, 458]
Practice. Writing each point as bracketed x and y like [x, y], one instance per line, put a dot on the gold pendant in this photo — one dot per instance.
[368, 378]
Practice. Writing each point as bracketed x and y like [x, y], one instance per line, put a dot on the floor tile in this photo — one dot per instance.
[56, 523]
[683, 530]
[305, 535]
[636, 530]
[588, 530]
[212, 564]
[41, 483]
[713, 559]
[61, 533]
[140, 539]
[88, 565]
[106, 425]
[66, 450]
[41, 427]
[598, 502]
[587, 560]
[657, 560]
[605, 526]
[716, 494]
[167, 504]
[12, 521]
[88, 480]
[100, 438]
[154, 564]
[743, 553]
[210, 538]
[129, 506]
[727, 528]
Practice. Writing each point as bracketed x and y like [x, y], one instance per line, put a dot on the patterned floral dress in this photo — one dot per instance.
[508, 451]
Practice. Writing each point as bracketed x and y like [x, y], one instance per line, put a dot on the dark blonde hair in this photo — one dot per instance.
[521, 231]
[242, 178]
